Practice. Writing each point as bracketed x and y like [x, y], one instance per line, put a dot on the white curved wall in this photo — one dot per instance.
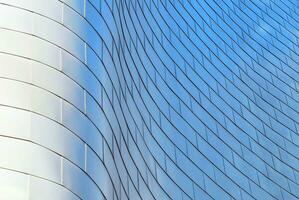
[45, 135]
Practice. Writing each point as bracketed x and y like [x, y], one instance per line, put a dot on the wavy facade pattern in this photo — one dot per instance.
[146, 99]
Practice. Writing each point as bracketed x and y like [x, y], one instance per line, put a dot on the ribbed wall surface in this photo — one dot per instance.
[149, 99]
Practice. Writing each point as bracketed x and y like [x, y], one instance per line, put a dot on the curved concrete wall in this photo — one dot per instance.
[143, 99]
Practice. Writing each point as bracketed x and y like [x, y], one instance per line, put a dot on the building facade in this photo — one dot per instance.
[146, 99]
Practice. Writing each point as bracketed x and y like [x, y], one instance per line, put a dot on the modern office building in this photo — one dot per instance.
[149, 99]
